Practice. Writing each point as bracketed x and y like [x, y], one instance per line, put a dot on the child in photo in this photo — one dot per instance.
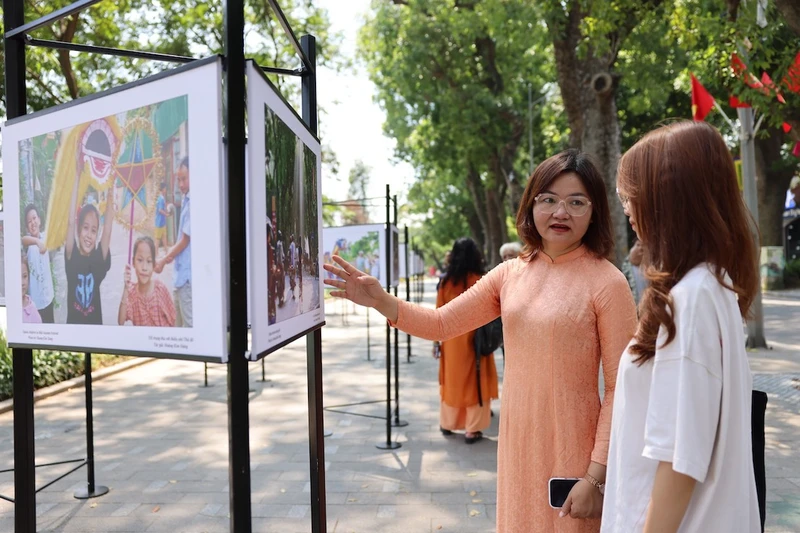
[147, 302]
[40, 285]
[86, 262]
[30, 315]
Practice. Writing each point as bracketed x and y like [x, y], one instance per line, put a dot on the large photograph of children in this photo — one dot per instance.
[106, 220]
[292, 215]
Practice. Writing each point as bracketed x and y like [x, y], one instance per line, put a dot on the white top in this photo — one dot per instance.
[689, 405]
[40, 280]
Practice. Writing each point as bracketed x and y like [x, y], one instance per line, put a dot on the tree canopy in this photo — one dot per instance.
[453, 78]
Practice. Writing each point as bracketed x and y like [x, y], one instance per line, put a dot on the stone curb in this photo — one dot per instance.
[52, 390]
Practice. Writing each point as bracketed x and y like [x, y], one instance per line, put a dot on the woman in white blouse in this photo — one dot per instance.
[680, 457]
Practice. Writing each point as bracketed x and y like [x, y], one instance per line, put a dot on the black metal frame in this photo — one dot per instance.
[397, 422]
[408, 288]
[391, 222]
[16, 39]
[91, 490]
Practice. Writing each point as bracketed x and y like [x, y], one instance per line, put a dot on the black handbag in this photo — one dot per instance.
[488, 339]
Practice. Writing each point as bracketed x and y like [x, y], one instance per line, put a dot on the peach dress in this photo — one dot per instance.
[560, 320]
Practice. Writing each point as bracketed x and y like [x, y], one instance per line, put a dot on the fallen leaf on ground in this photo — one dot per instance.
[93, 505]
[173, 481]
[477, 500]
[283, 490]
[472, 474]
[351, 500]
[157, 508]
[364, 486]
[473, 493]
[474, 513]
[440, 527]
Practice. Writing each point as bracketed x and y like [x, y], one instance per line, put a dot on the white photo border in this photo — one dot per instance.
[207, 339]
[266, 338]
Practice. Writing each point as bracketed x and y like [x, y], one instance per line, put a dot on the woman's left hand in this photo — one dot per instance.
[584, 501]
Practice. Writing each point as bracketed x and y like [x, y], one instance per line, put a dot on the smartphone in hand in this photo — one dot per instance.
[558, 490]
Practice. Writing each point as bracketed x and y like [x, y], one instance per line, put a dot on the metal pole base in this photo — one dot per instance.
[85, 494]
[399, 423]
[388, 445]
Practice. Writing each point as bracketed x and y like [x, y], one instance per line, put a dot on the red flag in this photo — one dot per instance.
[702, 101]
[792, 79]
[767, 81]
[736, 103]
[737, 65]
[787, 127]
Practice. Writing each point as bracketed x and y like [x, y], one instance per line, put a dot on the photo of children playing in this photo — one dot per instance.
[292, 223]
[355, 246]
[106, 228]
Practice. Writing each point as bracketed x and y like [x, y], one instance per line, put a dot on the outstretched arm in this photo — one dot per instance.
[477, 306]
[27, 240]
[73, 202]
[108, 223]
[123, 303]
[173, 253]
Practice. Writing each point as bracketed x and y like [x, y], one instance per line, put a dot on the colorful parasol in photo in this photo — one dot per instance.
[139, 165]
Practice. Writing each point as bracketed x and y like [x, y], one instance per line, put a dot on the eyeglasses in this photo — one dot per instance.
[548, 204]
[624, 200]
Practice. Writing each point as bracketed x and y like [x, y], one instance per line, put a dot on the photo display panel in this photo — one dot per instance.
[363, 245]
[115, 233]
[284, 220]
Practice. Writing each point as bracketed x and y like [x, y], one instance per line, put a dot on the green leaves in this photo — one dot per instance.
[178, 27]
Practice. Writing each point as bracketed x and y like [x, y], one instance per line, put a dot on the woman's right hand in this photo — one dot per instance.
[354, 285]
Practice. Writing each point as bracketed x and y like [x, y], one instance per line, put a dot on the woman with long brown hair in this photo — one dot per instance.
[681, 457]
[565, 309]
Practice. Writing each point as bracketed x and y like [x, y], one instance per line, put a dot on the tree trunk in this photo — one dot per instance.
[772, 180]
[475, 227]
[566, 34]
[601, 138]
[475, 187]
[64, 60]
[790, 10]
[498, 232]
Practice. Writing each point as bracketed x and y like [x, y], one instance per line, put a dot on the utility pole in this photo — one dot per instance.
[755, 325]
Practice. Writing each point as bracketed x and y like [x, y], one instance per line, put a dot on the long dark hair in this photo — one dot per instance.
[599, 237]
[680, 181]
[465, 258]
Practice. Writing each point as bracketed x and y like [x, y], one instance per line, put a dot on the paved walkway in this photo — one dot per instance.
[161, 443]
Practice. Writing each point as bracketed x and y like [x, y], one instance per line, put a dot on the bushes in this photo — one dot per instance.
[49, 367]
[791, 274]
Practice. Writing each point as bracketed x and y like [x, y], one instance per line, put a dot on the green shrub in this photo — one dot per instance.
[49, 367]
[791, 274]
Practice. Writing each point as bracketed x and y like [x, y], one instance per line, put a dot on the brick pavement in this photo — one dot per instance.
[161, 446]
